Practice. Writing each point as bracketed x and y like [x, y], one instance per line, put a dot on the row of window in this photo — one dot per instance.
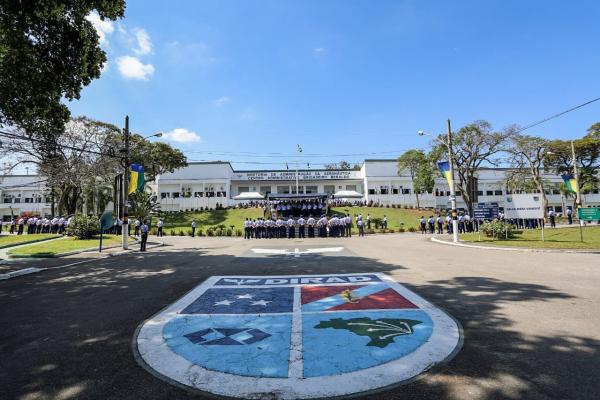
[329, 189]
[16, 200]
[176, 195]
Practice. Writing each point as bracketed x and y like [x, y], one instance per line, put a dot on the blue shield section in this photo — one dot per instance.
[336, 343]
[257, 346]
[243, 301]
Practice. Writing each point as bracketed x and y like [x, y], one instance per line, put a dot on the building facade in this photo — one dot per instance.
[206, 184]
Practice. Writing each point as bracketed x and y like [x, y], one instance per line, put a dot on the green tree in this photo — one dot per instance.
[48, 51]
[143, 204]
[415, 161]
[473, 146]
[527, 155]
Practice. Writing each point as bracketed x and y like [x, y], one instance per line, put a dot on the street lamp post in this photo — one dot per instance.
[452, 191]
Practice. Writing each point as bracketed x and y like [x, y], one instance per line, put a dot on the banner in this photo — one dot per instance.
[444, 167]
[526, 206]
[136, 180]
[570, 182]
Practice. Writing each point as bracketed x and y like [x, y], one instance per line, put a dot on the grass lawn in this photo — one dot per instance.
[562, 238]
[205, 219]
[15, 240]
[65, 245]
[397, 217]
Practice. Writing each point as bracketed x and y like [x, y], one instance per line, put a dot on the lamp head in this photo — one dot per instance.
[421, 133]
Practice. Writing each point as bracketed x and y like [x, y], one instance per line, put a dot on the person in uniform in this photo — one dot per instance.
[368, 221]
[246, 236]
[361, 227]
[159, 226]
[440, 224]
[144, 231]
[301, 223]
[385, 221]
[193, 228]
[323, 226]
[21, 224]
[30, 225]
[136, 227]
[61, 225]
[348, 225]
[423, 225]
[291, 228]
[38, 225]
[461, 224]
[570, 216]
[311, 226]
[13, 223]
[552, 217]
[430, 224]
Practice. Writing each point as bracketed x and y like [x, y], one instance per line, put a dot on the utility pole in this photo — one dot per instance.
[125, 229]
[452, 191]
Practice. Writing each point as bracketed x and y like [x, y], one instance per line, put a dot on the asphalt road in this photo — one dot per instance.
[531, 321]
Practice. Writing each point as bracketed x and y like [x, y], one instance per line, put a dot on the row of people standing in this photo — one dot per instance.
[296, 208]
[37, 225]
[270, 228]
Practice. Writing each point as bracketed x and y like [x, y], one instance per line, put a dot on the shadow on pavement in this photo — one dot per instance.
[67, 333]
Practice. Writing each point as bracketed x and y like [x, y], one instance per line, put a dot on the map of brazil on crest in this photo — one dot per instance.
[305, 331]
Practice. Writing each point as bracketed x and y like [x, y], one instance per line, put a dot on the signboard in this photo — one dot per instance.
[589, 214]
[301, 336]
[106, 220]
[302, 175]
[487, 211]
[523, 206]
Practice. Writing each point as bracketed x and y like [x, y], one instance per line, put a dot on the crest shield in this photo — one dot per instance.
[296, 336]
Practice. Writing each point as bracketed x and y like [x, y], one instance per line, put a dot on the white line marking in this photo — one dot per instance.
[296, 366]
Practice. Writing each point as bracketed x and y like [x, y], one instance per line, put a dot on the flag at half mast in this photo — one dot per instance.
[444, 167]
[136, 179]
[570, 182]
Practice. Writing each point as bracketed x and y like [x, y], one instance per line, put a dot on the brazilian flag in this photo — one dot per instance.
[445, 171]
[570, 182]
[136, 180]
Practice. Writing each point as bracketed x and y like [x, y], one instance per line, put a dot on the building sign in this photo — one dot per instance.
[299, 337]
[486, 211]
[302, 175]
[589, 214]
[523, 206]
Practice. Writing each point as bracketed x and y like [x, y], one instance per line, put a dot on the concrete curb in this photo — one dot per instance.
[51, 255]
[524, 249]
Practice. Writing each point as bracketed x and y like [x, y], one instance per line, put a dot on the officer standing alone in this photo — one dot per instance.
[144, 230]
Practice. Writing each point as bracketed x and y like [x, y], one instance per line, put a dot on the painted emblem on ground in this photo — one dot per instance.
[296, 336]
[297, 252]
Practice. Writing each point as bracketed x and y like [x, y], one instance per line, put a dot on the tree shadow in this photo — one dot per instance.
[68, 332]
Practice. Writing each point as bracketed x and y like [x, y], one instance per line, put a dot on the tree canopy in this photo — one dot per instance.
[48, 51]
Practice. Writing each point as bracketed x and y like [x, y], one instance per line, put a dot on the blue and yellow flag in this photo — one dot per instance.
[570, 182]
[444, 167]
[136, 180]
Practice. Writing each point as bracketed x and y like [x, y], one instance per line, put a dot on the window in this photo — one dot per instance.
[489, 192]
[265, 190]
[300, 189]
[405, 191]
[17, 200]
[7, 200]
[28, 200]
[198, 194]
[175, 195]
[384, 190]
[312, 189]
[480, 193]
[458, 193]
[351, 187]
[394, 191]
[498, 192]
[243, 189]
[447, 193]
[330, 189]
[283, 189]
[371, 191]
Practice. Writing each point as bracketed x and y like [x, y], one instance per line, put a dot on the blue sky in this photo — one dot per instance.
[343, 77]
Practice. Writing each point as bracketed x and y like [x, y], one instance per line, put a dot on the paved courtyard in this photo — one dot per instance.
[530, 321]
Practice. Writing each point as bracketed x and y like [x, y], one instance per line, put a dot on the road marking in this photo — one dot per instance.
[297, 252]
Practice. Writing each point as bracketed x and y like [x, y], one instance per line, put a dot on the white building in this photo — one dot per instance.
[204, 184]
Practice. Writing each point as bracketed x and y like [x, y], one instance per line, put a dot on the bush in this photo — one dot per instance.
[83, 227]
[378, 222]
[229, 232]
[498, 228]
[412, 229]
[200, 232]
[238, 232]
[402, 230]
[210, 232]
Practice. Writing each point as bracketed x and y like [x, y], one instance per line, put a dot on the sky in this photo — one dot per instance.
[247, 81]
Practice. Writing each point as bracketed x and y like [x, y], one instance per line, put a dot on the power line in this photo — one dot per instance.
[557, 115]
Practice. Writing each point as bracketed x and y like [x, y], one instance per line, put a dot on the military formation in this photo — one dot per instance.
[280, 227]
[36, 225]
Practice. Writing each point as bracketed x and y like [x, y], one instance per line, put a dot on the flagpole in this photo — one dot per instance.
[577, 194]
[299, 150]
[452, 191]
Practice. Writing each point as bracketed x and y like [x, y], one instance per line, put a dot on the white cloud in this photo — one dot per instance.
[103, 28]
[319, 51]
[182, 135]
[144, 45]
[222, 100]
[132, 68]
